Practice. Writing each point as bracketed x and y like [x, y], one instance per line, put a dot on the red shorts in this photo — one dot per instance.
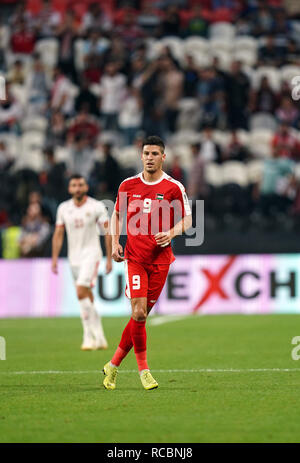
[145, 280]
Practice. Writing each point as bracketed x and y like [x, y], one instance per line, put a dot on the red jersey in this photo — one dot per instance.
[151, 207]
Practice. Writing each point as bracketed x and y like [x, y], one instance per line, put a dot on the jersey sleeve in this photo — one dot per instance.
[181, 202]
[102, 214]
[60, 217]
[121, 201]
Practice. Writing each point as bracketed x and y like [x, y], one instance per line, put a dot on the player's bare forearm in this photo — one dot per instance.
[182, 226]
[108, 246]
[116, 228]
[57, 242]
[164, 238]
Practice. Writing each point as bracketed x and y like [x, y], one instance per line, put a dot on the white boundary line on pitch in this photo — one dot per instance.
[161, 319]
[200, 370]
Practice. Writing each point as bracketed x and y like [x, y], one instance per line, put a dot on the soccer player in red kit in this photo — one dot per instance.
[157, 210]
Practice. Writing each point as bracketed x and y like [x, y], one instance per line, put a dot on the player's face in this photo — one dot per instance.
[152, 158]
[78, 188]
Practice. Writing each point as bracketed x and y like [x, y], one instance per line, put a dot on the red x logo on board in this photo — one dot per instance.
[214, 281]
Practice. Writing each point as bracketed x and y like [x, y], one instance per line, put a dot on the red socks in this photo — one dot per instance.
[124, 346]
[135, 335]
[126, 341]
[139, 339]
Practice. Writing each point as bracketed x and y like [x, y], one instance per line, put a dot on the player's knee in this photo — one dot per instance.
[82, 292]
[139, 313]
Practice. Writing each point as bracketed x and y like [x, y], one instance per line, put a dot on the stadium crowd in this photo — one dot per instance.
[86, 81]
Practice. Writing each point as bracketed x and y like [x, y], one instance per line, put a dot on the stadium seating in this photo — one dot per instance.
[271, 73]
[260, 142]
[235, 172]
[222, 29]
[262, 121]
[214, 174]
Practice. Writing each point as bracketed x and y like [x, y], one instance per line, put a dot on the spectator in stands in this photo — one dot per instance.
[176, 171]
[273, 192]
[149, 19]
[21, 13]
[47, 20]
[210, 95]
[95, 46]
[22, 39]
[137, 67]
[190, 77]
[4, 40]
[117, 53]
[66, 35]
[148, 85]
[270, 54]
[235, 150]
[262, 20]
[292, 53]
[10, 113]
[62, 96]
[80, 155]
[171, 24]
[16, 75]
[56, 132]
[197, 187]
[106, 175]
[209, 150]
[83, 125]
[6, 160]
[35, 231]
[37, 87]
[264, 99]
[92, 73]
[198, 24]
[130, 115]
[53, 180]
[129, 31]
[113, 90]
[243, 27]
[221, 74]
[237, 92]
[171, 87]
[87, 98]
[35, 197]
[96, 18]
[287, 112]
[281, 25]
[284, 143]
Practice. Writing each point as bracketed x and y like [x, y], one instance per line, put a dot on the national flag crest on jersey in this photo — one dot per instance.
[159, 196]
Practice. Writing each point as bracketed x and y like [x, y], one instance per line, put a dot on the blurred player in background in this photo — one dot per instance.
[159, 200]
[80, 216]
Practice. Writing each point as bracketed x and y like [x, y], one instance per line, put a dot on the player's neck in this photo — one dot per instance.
[148, 177]
[80, 202]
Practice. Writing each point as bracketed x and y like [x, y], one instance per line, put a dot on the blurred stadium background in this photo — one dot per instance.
[87, 80]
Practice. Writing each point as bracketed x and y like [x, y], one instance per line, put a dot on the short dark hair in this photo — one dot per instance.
[76, 177]
[154, 140]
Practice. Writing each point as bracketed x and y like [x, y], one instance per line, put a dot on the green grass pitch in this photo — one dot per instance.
[71, 405]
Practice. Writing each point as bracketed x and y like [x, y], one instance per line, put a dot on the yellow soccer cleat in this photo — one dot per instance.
[148, 381]
[110, 372]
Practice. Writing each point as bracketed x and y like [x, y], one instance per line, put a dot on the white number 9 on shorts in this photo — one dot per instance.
[136, 281]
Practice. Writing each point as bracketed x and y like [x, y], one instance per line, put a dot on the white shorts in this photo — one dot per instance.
[86, 273]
